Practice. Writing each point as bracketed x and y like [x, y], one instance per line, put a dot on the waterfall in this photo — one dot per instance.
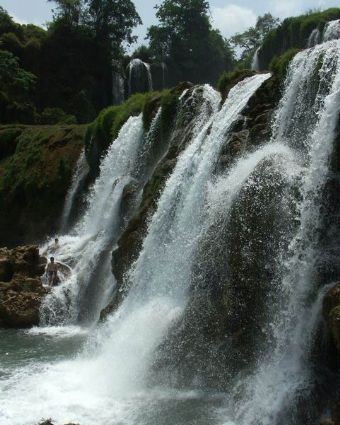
[255, 64]
[87, 247]
[79, 175]
[139, 77]
[223, 300]
[314, 38]
[306, 121]
[332, 30]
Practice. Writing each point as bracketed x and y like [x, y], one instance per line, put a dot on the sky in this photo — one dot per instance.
[228, 16]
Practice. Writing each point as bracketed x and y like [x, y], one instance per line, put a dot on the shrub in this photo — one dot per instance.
[279, 65]
[51, 116]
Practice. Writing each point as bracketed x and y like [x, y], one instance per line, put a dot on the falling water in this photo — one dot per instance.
[140, 78]
[306, 122]
[314, 38]
[159, 278]
[79, 175]
[332, 31]
[85, 247]
[255, 65]
[282, 181]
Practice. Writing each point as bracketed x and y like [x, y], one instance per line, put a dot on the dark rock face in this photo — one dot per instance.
[331, 313]
[21, 290]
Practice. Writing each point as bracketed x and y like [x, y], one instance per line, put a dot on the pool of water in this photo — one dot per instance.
[51, 373]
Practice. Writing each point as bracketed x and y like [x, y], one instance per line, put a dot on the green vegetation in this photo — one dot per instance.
[186, 42]
[293, 33]
[69, 66]
[107, 125]
[279, 65]
[251, 39]
[36, 166]
[105, 128]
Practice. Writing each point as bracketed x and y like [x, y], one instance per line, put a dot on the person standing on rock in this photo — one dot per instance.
[52, 272]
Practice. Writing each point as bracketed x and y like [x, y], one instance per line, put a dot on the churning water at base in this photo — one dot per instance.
[106, 381]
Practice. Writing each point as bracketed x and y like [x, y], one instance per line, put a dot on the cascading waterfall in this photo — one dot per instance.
[159, 278]
[80, 174]
[282, 379]
[89, 243]
[261, 219]
[332, 31]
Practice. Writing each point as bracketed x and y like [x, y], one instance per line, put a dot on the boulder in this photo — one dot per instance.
[21, 290]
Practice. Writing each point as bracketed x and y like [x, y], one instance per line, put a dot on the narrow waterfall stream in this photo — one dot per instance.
[88, 243]
[217, 324]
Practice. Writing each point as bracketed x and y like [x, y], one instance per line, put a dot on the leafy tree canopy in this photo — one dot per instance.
[248, 41]
[185, 39]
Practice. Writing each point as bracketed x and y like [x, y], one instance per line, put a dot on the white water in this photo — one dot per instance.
[95, 232]
[106, 384]
[80, 173]
[332, 31]
[255, 64]
[270, 393]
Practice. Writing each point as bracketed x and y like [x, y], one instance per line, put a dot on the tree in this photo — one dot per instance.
[69, 10]
[15, 87]
[251, 39]
[185, 39]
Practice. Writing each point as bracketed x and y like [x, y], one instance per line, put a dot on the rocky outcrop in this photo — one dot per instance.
[21, 290]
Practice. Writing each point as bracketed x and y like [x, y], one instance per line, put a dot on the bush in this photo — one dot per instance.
[51, 116]
[279, 65]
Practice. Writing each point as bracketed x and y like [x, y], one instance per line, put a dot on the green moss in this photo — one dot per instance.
[293, 33]
[34, 179]
[279, 64]
[229, 79]
[169, 108]
[107, 125]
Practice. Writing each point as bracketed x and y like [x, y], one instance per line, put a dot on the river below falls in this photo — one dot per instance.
[41, 377]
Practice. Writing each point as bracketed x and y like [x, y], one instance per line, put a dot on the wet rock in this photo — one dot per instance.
[331, 313]
[21, 290]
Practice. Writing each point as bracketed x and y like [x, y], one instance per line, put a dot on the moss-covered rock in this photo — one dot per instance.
[107, 125]
[35, 174]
